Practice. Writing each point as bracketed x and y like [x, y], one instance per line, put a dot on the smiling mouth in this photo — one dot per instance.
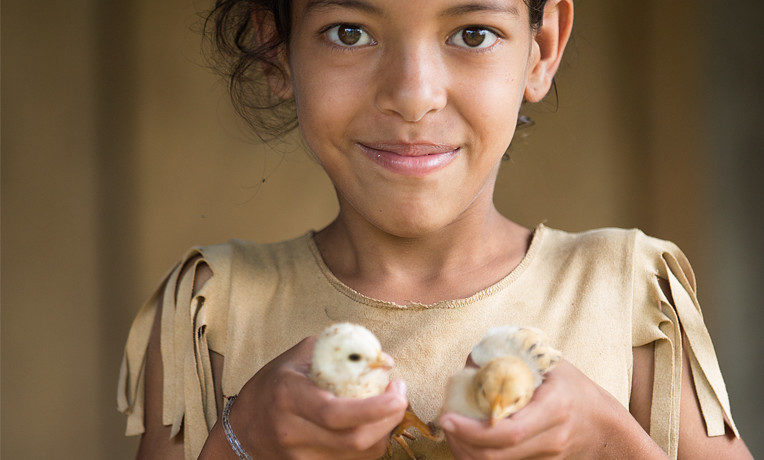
[409, 149]
[417, 160]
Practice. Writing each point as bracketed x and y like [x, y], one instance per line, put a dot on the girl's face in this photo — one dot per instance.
[371, 77]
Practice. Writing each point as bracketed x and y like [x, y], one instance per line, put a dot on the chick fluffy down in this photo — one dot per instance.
[527, 343]
[512, 361]
[334, 370]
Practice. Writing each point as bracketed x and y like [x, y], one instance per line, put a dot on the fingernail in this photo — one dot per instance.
[447, 424]
[400, 387]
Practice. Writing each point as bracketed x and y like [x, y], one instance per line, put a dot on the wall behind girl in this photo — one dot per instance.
[636, 105]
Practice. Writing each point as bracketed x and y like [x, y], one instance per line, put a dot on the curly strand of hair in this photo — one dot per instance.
[233, 50]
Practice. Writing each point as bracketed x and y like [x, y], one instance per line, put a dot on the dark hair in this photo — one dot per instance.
[236, 52]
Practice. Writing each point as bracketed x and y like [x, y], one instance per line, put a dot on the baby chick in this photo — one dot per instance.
[348, 361]
[511, 363]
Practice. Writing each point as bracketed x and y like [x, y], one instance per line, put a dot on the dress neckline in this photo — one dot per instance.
[533, 249]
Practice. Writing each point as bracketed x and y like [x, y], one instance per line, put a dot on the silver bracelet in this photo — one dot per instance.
[232, 439]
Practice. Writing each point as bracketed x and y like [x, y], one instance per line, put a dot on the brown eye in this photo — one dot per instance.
[354, 357]
[473, 36]
[349, 35]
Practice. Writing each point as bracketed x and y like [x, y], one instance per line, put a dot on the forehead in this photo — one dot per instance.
[386, 8]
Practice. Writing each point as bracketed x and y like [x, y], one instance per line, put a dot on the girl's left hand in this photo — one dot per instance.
[569, 415]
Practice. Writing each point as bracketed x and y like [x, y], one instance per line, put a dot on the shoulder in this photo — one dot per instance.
[242, 277]
[624, 244]
[639, 264]
[238, 258]
[663, 286]
[610, 248]
[597, 241]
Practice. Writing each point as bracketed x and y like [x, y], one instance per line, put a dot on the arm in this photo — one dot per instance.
[281, 413]
[156, 441]
[693, 440]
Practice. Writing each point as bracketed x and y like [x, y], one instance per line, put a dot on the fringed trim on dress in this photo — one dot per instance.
[188, 391]
[675, 314]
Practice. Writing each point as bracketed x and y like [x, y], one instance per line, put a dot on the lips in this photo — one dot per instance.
[417, 160]
[414, 149]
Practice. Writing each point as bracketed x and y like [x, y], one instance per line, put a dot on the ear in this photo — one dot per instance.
[278, 73]
[547, 47]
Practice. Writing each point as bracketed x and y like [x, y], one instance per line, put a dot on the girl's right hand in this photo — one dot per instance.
[281, 413]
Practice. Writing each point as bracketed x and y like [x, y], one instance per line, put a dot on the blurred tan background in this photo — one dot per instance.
[119, 151]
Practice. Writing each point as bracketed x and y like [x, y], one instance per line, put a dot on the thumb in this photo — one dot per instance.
[301, 354]
[397, 386]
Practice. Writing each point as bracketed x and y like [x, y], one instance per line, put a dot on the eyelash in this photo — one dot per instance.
[336, 47]
[487, 49]
[344, 49]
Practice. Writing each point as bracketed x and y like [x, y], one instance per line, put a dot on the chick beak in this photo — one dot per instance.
[496, 410]
[384, 361]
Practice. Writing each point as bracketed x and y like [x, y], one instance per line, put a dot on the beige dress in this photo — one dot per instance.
[595, 293]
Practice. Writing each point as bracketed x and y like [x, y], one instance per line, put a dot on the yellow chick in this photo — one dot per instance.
[511, 363]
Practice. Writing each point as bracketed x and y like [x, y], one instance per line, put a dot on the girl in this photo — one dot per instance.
[408, 106]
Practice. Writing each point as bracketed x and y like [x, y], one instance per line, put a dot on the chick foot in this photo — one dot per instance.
[410, 420]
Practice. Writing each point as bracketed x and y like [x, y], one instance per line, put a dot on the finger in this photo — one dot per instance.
[296, 431]
[376, 451]
[480, 433]
[325, 409]
[458, 448]
[368, 437]
[322, 453]
[547, 444]
[549, 405]
[379, 449]
[379, 429]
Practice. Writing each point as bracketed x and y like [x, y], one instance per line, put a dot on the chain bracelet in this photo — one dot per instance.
[232, 439]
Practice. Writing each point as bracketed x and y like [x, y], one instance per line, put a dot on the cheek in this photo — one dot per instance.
[490, 107]
[327, 99]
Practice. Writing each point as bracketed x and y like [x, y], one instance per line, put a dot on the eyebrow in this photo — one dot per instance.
[490, 7]
[458, 10]
[316, 5]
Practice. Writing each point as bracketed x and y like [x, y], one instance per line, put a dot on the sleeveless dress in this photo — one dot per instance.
[596, 294]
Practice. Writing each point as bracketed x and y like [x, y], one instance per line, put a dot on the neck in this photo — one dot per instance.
[476, 244]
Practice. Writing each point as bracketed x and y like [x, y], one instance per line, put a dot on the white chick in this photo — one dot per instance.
[348, 361]
[511, 364]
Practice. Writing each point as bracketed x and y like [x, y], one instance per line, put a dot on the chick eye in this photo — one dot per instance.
[348, 35]
[354, 357]
[474, 37]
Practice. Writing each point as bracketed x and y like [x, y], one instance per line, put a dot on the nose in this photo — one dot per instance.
[411, 83]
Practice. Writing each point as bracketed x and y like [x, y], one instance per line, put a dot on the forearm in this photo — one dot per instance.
[625, 438]
[216, 446]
